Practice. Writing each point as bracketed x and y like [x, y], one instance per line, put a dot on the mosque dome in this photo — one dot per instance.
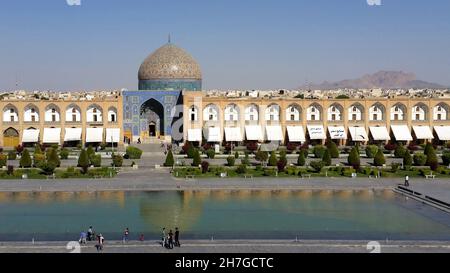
[168, 65]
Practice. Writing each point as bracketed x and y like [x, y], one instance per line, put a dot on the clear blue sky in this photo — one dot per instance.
[250, 44]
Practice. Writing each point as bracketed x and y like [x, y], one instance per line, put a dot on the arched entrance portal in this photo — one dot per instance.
[11, 138]
[152, 112]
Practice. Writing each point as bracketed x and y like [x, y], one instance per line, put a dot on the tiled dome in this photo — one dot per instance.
[169, 62]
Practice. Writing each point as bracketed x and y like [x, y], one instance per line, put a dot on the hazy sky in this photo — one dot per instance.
[248, 44]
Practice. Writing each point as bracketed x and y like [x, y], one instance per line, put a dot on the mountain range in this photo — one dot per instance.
[380, 79]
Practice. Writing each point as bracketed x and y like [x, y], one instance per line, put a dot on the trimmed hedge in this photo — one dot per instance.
[133, 152]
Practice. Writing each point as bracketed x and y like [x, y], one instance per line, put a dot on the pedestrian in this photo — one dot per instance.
[170, 239]
[82, 239]
[177, 237]
[90, 234]
[139, 141]
[100, 241]
[164, 237]
[126, 233]
[141, 237]
[407, 181]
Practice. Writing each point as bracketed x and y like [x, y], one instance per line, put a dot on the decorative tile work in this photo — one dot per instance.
[169, 62]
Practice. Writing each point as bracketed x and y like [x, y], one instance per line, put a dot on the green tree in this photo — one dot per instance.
[169, 159]
[420, 159]
[3, 160]
[432, 159]
[38, 158]
[12, 155]
[231, 161]
[96, 160]
[210, 153]
[117, 160]
[407, 160]
[133, 152]
[53, 157]
[236, 155]
[318, 151]
[64, 153]
[196, 159]
[428, 147]
[326, 158]
[317, 165]
[379, 159]
[400, 151]
[25, 160]
[47, 168]
[83, 161]
[371, 151]
[333, 149]
[301, 158]
[37, 149]
[283, 157]
[353, 158]
[261, 156]
[273, 159]
[446, 158]
[90, 151]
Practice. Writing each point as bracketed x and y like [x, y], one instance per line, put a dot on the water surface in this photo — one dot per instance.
[242, 214]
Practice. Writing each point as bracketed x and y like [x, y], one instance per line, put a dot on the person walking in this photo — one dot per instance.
[90, 234]
[82, 238]
[126, 233]
[141, 238]
[164, 237]
[170, 239]
[177, 237]
[407, 181]
[100, 241]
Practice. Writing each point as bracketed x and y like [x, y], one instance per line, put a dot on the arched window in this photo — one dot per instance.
[440, 112]
[355, 112]
[335, 112]
[112, 114]
[31, 113]
[293, 113]
[398, 112]
[52, 113]
[193, 113]
[419, 112]
[10, 114]
[251, 113]
[94, 113]
[313, 112]
[231, 112]
[73, 113]
[377, 112]
[273, 112]
[211, 113]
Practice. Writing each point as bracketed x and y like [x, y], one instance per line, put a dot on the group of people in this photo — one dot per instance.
[90, 236]
[170, 239]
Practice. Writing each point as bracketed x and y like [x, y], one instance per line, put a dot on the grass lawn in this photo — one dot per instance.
[290, 172]
[33, 173]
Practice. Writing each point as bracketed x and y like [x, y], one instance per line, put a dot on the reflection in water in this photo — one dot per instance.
[220, 195]
[158, 211]
[365, 195]
[323, 214]
[344, 194]
[324, 194]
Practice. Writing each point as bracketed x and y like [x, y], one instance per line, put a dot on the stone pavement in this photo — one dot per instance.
[160, 179]
[234, 246]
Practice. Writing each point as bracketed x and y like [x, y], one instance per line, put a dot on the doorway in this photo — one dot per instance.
[152, 129]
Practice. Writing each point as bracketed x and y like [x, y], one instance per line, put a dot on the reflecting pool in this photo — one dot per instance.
[222, 214]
